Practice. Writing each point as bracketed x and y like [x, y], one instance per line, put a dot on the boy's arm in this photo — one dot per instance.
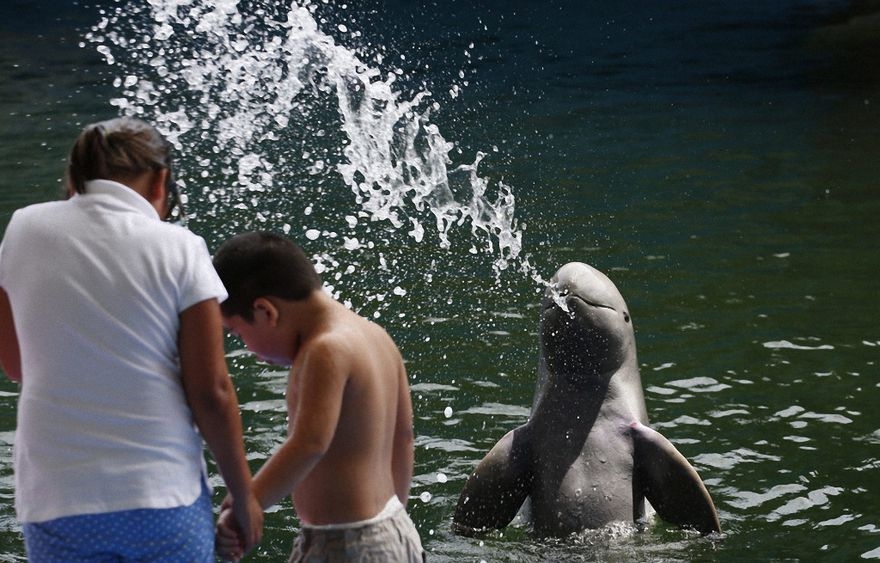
[211, 397]
[403, 455]
[321, 381]
[10, 357]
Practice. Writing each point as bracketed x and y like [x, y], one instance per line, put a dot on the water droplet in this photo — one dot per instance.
[252, 78]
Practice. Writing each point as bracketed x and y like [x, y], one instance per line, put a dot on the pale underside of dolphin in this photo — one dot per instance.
[586, 457]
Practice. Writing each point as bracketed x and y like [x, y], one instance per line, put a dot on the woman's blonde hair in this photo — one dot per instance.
[119, 149]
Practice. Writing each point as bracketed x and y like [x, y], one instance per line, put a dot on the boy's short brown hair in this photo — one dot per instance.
[262, 264]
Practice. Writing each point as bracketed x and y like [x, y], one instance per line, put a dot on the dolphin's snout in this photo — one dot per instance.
[557, 296]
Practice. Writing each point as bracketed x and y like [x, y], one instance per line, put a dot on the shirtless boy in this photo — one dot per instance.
[347, 461]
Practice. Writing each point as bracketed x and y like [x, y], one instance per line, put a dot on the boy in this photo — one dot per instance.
[348, 459]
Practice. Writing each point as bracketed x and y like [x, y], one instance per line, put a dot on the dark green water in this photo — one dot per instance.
[720, 163]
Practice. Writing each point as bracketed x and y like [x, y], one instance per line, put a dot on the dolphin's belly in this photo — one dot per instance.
[592, 492]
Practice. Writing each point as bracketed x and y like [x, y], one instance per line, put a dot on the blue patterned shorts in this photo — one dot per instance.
[181, 534]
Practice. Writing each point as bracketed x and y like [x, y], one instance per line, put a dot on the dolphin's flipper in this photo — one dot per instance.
[497, 488]
[670, 483]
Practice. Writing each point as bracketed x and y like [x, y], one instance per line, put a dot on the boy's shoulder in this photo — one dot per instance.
[342, 331]
[346, 329]
[333, 338]
[351, 333]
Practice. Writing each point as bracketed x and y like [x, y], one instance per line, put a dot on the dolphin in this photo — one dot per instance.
[586, 457]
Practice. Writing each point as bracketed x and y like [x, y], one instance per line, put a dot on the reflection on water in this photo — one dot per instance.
[718, 161]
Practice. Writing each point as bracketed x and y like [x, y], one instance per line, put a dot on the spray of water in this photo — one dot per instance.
[271, 109]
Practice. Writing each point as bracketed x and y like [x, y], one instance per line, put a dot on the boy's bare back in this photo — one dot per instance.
[347, 459]
[348, 392]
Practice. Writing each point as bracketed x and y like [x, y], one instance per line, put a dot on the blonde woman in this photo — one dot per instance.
[110, 320]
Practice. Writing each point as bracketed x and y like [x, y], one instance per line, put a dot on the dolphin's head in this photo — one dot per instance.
[586, 330]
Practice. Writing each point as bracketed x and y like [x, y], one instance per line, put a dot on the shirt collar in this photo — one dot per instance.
[124, 194]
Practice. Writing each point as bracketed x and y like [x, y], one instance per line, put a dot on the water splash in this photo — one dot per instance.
[271, 112]
[559, 294]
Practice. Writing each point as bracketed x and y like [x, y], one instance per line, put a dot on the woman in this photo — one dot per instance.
[110, 320]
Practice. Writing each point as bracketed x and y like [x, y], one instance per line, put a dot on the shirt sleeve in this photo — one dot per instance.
[202, 281]
[2, 264]
[5, 247]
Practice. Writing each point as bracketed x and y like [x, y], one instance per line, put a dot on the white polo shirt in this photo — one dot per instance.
[97, 283]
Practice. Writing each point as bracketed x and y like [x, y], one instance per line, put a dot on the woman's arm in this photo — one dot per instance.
[10, 357]
[211, 397]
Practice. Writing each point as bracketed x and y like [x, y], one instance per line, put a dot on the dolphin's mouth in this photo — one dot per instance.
[560, 297]
[592, 303]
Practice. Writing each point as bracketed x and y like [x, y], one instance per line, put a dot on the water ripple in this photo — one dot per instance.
[444, 444]
[430, 387]
[682, 421]
[787, 345]
[492, 409]
[699, 384]
[271, 405]
[801, 413]
[730, 459]
[749, 499]
[818, 497]
[839, 521]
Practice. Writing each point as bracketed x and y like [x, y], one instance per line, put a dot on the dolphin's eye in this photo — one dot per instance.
[625, 317]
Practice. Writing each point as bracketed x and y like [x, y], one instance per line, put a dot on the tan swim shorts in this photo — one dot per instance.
[393, 539]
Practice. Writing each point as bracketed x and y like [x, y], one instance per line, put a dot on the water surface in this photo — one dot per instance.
[718, 162]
